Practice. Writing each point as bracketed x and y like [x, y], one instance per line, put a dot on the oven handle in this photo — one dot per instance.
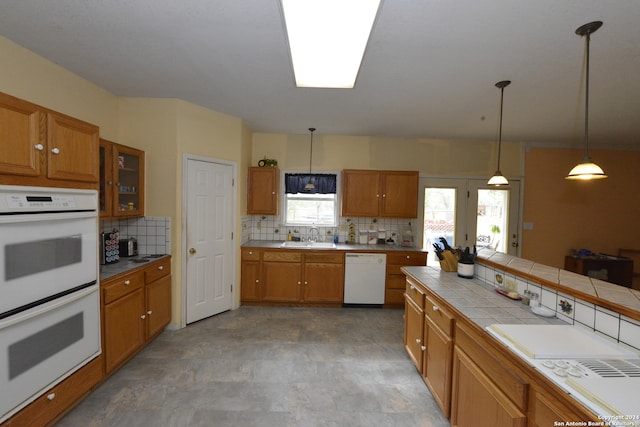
[48, 304]
[46, 216]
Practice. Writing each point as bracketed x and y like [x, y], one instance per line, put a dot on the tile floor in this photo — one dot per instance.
[269, 366]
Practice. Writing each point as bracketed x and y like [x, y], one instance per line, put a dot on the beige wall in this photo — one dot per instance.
[26, 75]
[433, 157]
[600, 215]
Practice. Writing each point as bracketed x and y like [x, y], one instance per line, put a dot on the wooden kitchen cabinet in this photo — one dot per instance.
[395, 280]
[292, 277]
[136, 308]
[371, 193]
[547, 411]
[121, 181]
[124, 328]
[477, 401]
[262, 191]
[250, 277]
[414, 324]
[323, 277]
[437, 358]
[42, 147]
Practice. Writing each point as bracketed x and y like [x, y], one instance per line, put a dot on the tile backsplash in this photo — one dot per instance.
[268, 227]
[152, 232]
[571, 310]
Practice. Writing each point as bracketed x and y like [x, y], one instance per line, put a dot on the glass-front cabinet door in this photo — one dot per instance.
[128, 181]
[121, 180]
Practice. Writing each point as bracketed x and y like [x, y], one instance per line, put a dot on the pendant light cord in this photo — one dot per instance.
[586, 103]
[311, 149]
[500, 131]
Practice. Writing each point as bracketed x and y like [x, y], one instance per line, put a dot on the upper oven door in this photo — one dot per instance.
[44, 256]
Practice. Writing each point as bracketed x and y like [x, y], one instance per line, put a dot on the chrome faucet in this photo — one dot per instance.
[317, 238]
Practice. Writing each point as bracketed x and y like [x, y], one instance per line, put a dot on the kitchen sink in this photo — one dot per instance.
[308, 245]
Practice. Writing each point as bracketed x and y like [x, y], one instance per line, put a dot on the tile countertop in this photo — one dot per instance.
[126, 265]
[276, 244]
[476, 300]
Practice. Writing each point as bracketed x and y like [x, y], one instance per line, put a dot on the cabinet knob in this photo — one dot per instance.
[384, 195]
[423, 348]
[127, 282]
[378, 196]
[412, 287]
[299, 283]
[435, 308]
[161, 267]
[51, 396]
[149, 312]
[250, 252]
[257, 281]
[55, 150]
[273, 192]
[306, 283]
[418, 340]
[192, 251]
[39, 147]
[109, 182]
[143, 317]
[408, 256]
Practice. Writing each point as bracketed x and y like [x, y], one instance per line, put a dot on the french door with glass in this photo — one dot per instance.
[469, 212]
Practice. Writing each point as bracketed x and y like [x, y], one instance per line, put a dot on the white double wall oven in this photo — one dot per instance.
[49, 292]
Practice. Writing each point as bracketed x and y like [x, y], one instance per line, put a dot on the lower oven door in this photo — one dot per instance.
[43, 345]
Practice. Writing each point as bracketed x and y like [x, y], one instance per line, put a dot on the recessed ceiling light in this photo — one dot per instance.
[327, 39]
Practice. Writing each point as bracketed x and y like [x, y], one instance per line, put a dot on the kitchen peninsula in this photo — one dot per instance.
[477, 379]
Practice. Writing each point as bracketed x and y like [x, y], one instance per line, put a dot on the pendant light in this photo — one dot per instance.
[587, 170]
[309, 186]
[498, 179]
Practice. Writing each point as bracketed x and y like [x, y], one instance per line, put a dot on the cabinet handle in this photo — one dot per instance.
[384, 195]
[149, 312]
[306, 283]
[39, 147]
[257, 281]
[143, 317]
[423, 348]
[51, 396]
[418, 341]
[412, 287]
[250, 253]
[435, 308]
[378, 196]
[408, 256]
[299, 283]
[127, 282]
[55, 150]
[273, 193]
[161, 267]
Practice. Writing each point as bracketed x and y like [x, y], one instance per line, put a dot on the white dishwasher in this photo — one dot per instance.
[364, 278]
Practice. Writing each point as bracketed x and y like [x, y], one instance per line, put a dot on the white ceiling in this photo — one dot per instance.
[429, 70]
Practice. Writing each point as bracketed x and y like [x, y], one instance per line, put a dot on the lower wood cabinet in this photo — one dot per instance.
[477, 401]
[414, 325]
[292, 277]
[53, 404]
[136, 308]
[395, 279]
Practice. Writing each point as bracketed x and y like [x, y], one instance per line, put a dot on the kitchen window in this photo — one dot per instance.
[304, 206]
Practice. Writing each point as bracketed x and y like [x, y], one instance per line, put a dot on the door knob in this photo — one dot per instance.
[514, 244]
[192, 250]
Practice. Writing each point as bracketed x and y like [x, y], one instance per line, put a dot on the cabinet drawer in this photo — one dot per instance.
[406, 258]
[60, 398]
[122, 285]
[328, 257]
[284, 256]
[157, 270]
[415, 294]
[439, 316]
[250, 255]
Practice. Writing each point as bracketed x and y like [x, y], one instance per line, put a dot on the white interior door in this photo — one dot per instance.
[209, 226]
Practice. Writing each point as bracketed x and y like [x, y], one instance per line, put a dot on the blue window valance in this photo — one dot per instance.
[295, 182]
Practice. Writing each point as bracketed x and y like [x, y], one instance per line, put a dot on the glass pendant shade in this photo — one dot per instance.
[498, 179]
[586, 170]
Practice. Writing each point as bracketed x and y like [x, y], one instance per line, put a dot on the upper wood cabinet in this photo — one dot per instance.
[45, 148]
[262, 193]
[121, 180]
[371, 193]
